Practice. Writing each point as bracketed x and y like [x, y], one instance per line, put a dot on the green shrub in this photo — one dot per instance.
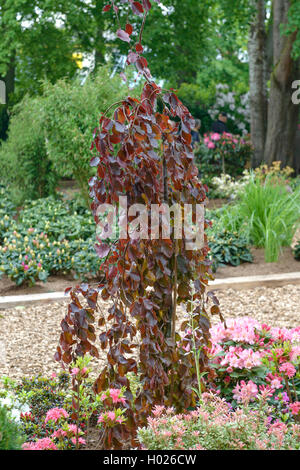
[297, 251]
[56, 218]
[228, 217]
[10, 434]
[71, 113]
[215, 426]
[7, 212]
[44, 393]
[50, 136]
[218, 153]
[49, 237]
[27, 258]
[24, 161]
[228, 248]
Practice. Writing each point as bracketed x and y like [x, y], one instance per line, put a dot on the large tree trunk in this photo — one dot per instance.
[257, 75]
[9, 81]
[99, 42]
[282, 112]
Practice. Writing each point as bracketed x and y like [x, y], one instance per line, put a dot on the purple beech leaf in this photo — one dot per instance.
[123, 35]
[102, 250]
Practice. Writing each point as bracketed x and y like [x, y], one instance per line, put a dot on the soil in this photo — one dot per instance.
[286, 264]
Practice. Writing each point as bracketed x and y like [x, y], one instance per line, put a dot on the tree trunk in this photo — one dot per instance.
[9, 81]
[282, 112]
[257, 78]
[99, 43]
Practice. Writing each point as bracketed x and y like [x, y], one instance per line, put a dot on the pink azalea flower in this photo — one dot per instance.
[55, 414]
[215, 136]
[288, 369]
[80, 441]
[111, 415]
[75, 371]
[295, 408]
[42, 444]
[245, 392]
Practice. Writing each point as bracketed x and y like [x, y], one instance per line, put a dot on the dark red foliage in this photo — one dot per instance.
[146, 155]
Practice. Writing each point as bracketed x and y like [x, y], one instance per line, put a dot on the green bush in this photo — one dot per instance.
[49, 237]
[10, 435]
[72, 112]
[50, 136]
[24, 161]
[216, 153]
[7, 212]
[33, 257]
[228, 248]
[297, 251]
[57, 218]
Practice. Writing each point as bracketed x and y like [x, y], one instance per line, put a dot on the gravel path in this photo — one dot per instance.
[29, 335]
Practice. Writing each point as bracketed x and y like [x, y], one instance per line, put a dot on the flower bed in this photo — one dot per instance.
[252, 399]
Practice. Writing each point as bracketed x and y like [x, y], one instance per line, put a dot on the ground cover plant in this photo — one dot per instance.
[48, 237]
[228, 248]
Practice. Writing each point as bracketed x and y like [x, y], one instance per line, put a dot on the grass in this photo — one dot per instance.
[267, 214]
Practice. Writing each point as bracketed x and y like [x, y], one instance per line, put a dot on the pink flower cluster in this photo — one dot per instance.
[245, 392]
[295, 408]
[70, 433]
[288, 369]
[41, 444]
[55, 414]
[115, 394]
[241, 330]
[110, 418]
[226, 139]
[239, 358]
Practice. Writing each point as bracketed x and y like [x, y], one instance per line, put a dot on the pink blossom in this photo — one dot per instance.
[42, 444]
[158, 410]
[288, 369]
[75, 371]
[215, 136]
[116, 395]
[266, 391]
[245, 392]
[111, 415]
[80, 441]
[59, 434]
[211, 145]
[295, 408]
[73, 428]
[55, 414]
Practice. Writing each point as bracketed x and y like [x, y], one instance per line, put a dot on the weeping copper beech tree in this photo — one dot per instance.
[142, 150]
